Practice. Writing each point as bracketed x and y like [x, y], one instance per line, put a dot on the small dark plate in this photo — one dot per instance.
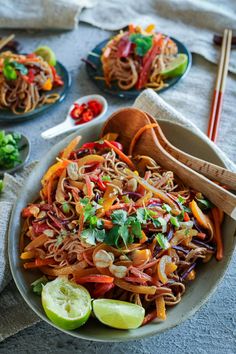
[132, 93]
[8, 116]
[24, 146]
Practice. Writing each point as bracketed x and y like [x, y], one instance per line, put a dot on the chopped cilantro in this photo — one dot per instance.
[37, 285]
[162, 240]
[142, 43]
[90, 235]
[174, 221]
[166, 207]
[119, 217]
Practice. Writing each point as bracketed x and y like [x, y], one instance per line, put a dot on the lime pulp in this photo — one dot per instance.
[47, 54]
[66, 304]
[118, 314]
[176, 67]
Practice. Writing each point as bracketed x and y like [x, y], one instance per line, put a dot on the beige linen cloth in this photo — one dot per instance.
[15, 315]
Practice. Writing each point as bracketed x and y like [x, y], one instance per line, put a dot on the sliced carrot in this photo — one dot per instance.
[138, 135]
[218, 236]
[39, 263]
[138, 289]
[88, 186]
[122, 156]
[70, 147]
[161, 308]
[37, 242]
[149, 317]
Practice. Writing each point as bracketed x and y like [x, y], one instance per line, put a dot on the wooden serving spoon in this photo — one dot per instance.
[214, 172]
[127, 121]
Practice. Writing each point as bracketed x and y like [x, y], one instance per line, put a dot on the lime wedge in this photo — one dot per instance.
[118, 314]
[176, 67]
[47, 54]
[66, 304]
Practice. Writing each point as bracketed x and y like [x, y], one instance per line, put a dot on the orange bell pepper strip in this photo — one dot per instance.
[47, 86]
[70, 147]
[202, 218]
[53, 169]
[27, 255]
[161, 268]
[217, 235]
[121, 155]
[37, 242]
[161, 308]
[86, 160]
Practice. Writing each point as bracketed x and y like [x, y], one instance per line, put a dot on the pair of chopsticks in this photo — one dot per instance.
[219, 90]
[6, 40]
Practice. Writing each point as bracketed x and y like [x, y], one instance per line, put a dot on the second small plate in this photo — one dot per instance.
[7, 116]
[94, 58]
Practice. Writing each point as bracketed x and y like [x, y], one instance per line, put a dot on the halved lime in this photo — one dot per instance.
[66, 304]
[47, 54]
[176, 67]
[118, 314]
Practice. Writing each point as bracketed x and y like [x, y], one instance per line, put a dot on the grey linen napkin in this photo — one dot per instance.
[15, 314]
[41, 14]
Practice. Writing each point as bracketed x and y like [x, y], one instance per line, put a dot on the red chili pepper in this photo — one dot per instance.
[31, 75]
[147, 61]
[76, 111]
[87, 115]
[95, 107]
[99, 182]
[186, 216]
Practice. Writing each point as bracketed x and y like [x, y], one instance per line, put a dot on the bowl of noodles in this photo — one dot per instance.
[29, 85]
[162, 260]
[136, 59]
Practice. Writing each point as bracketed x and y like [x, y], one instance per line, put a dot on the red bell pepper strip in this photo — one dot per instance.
[101, 289]
[99, 182]
[96, 278]
[186, 216]
[147, 61]
[124, 47]
[57, 81]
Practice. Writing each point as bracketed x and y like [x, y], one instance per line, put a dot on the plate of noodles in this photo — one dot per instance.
[136, 59]
[29, 85]
[87, 218]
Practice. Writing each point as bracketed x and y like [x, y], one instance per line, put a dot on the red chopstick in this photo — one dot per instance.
[217, 100]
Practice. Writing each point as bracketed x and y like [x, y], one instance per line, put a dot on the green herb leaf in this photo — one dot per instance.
[90, 235]
[136, 228]
[124, 234]
[162, 240]
[174, 221]
[166, 207]
[204, 204]
[106, 178]
[18, 66]
[37, 285]
[8, 70]
[119, 217]
[9, 150]
[143, 43]
[112, 237]
[142, 215]
[1, 185]
[65, 208]
[181, 200]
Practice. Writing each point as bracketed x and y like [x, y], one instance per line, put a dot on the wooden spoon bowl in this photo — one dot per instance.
[127, 122]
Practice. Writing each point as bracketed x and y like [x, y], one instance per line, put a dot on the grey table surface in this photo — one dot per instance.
[213, 328]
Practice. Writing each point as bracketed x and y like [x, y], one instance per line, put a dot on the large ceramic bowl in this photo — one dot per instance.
[208, 275]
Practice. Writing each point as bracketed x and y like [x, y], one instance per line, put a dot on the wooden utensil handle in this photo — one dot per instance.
[214, 172]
